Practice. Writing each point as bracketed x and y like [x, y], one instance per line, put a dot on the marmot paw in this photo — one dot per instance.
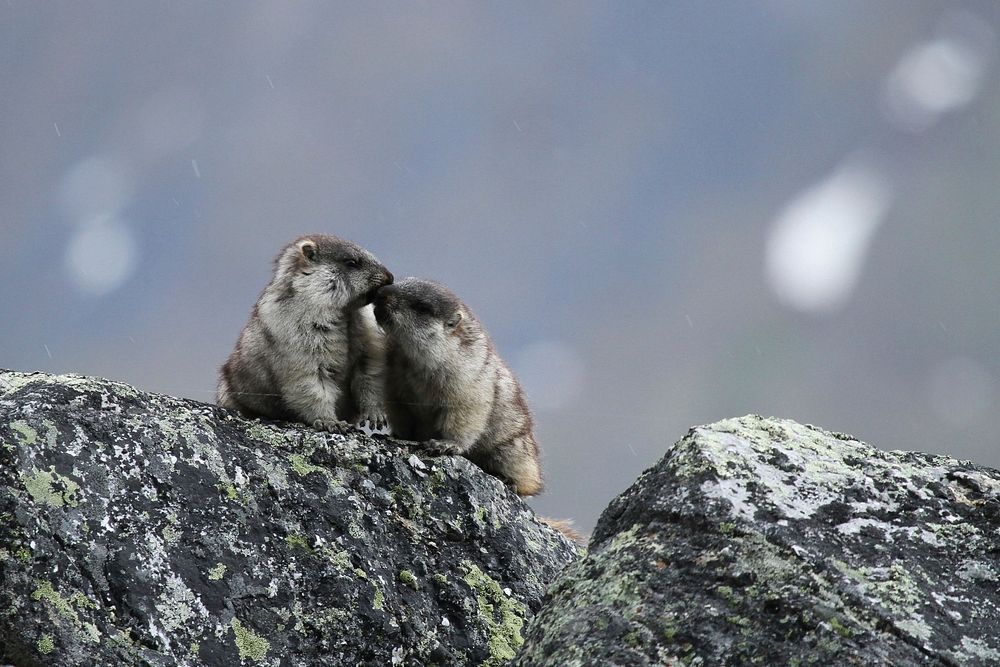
[331, 425]
[376, 420]
[441, 448]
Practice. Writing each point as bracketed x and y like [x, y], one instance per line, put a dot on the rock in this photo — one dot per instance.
[143, 529]
[763, 542]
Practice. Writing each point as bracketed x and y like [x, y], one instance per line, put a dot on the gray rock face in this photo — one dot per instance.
[143, 529]
[763, 542]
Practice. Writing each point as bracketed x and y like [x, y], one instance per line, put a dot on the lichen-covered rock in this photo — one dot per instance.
[144, 529]
[763, 542]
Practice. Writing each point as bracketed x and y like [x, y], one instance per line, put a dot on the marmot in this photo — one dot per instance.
[310, 352]
[448, 389]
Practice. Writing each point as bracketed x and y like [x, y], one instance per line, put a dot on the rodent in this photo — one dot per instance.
[447, 388]
[311, 351]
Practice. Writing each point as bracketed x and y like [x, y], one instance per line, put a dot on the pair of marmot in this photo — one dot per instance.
[419, 361]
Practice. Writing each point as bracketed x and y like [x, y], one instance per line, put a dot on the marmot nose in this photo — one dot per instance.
[388, 278]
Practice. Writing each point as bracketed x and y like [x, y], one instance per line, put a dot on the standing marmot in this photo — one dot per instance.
[311, 351]
[445, 384]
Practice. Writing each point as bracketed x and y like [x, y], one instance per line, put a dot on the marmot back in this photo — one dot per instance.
[446, 385]
[310, 353]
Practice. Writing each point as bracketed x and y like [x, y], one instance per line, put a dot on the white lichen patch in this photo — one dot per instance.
[916, 627]
[975, 649]
[177, 604]
[977, 570]
[12, 381]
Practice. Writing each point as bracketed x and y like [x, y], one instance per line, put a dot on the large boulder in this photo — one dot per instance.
[144, 529]
[764, 542]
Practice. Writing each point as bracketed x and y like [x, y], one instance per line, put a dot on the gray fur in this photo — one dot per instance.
[311, 351]
[447, 388]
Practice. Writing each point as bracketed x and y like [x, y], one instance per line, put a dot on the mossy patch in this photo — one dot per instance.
[228, 490]
[46, 645]
[302, 467]
[269, 434]
[50, 488]
[297, 541]
[339, 558]
[46, 592]
[250, 645]
[407, 577]
[27, 435]
[64, 608]
[502, 616]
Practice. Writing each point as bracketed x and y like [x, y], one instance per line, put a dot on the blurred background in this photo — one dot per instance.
[665, 213]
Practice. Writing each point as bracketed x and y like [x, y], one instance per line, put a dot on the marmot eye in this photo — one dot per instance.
[352, 263]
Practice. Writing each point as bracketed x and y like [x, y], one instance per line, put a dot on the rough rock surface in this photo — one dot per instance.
[764, 542]
[144, 529]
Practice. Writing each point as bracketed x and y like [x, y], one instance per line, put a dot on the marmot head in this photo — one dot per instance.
[424, 317]
[330, 271]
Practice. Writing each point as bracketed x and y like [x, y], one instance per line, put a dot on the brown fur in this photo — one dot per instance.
[309, 353]
[447, 388]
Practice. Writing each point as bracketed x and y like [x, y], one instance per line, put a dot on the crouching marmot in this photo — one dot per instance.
[311, 351]
[448, 389]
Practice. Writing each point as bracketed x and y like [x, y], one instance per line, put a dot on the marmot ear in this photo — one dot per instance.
[308, 249]
[455, 319]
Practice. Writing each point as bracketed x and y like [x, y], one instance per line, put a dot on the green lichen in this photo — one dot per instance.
[250, 645]
[436, 479]
[171, 535]
[302, 467]
[46, 592]
[407, 577]
[480, 515]
[46, 645]
[64, 608]
[502, 616]
[840, 628]
[441, 579]
[23, 554]
[28, 435]
[194, 648]
[378, 602]
[339, 558]
[297, 541]
[229, 490]
[262, 433]
[50, 488]
[82, 601]
[216, 573]
[726, 593]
